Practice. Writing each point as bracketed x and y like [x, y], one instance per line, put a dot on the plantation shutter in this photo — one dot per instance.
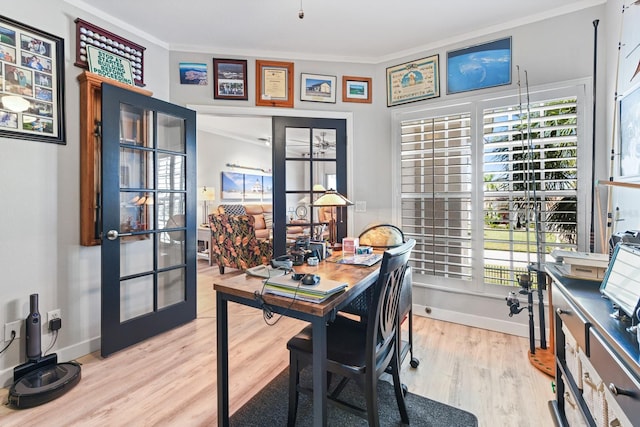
[436, 192]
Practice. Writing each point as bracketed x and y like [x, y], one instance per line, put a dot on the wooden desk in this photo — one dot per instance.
[241, 288]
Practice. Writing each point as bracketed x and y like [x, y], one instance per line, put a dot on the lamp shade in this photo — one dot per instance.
[207, 194]
[332, 198]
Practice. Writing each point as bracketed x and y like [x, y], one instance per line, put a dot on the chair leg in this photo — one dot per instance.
[294, 381]
[371, 398]
[397, 386]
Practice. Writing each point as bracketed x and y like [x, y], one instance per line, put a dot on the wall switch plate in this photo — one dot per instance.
[12, 326]
[361, 206]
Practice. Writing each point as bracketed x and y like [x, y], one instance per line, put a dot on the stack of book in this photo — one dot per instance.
[581, 265]
[287, 287]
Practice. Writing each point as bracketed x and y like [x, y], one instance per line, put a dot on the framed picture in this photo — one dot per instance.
[192, 73]
[274, 83]
[356, 89]
[31, 77]
[232, 185]
[630, 134]
[413, 81]
[252, 187]
[230, 79]
[478, 67]
[317, 88]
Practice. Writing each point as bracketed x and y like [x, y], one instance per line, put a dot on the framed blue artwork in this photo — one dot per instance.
[478, 67]
[192, 73]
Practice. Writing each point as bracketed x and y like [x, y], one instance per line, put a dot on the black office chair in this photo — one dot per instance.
[357, 350]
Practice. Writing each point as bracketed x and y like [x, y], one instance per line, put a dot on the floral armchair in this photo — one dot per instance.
[234, 243]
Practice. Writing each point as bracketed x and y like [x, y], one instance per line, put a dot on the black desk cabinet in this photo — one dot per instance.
[597, 360]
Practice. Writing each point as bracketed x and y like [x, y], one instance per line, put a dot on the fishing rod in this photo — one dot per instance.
[593, 139]
[610, 216]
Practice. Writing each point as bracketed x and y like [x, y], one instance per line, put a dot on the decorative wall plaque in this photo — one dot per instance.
[90, 35]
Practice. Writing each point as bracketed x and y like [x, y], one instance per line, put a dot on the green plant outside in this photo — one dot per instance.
[497, 239]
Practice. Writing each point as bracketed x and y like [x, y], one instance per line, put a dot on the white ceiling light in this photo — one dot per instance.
[15, 103]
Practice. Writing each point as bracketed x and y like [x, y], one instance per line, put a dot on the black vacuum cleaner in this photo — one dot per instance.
[41, 379]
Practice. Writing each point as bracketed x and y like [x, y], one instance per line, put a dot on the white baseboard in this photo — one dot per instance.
[492, 324]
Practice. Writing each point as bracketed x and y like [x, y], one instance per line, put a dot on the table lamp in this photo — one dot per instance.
[331, 198]
[206, 195]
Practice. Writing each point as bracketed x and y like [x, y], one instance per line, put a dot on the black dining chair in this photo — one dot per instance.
[357, 350]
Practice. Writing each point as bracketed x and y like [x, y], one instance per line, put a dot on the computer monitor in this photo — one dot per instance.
[621, 282]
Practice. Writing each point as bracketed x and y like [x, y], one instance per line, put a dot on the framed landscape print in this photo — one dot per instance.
[193, 73]
[230, 79]
[31, 77]
[356, 89]
[317, 88]
[478, 67]
[413, 81]
[274, 83]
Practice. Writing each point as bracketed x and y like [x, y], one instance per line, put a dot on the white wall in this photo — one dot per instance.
[39, 208]
[39, 204]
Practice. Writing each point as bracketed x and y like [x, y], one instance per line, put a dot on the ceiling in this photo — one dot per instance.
[368, 31]
[361, 31]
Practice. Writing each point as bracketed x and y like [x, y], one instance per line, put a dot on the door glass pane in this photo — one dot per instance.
[136, 254]
[136, 168]
[171, 133]
[171, 287]
[171, 172]
[134, 126]
[171, 248]
[324, 144]
[297, 142]
[136, 297]
[136, 211]
[298, 173]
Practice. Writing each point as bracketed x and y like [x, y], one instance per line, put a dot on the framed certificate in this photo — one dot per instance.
[274, 84]
[413, 81]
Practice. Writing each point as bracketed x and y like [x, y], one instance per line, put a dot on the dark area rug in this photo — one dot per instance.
[269, 408]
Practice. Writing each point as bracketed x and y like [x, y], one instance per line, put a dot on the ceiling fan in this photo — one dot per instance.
[322, 144]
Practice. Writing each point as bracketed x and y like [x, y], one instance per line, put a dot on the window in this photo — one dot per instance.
[490, 186]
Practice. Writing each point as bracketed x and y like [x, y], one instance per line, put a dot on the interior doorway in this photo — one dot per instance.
[249, 127]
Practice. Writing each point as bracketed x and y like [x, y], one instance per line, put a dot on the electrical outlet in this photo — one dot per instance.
[53, 314]
[13, 326]
[361, 206]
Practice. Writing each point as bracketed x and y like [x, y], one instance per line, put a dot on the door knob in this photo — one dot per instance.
[113, 234]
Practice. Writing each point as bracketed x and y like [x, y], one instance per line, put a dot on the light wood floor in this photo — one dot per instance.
[170, 380]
